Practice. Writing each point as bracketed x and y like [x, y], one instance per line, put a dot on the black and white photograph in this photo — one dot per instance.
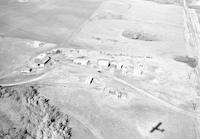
[99, 69]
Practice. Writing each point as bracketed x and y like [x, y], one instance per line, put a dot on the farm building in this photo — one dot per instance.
[26, 70]
[81, 61]
[124, 70]
[41, 60]
[110, 91]
[117, 93]
[103, 63]
[113, 64]
[138, 70]
[121, 95]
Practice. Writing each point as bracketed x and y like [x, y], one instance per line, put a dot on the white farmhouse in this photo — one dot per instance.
[103, 63]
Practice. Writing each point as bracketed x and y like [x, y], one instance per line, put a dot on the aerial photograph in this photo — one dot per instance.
[99, 69]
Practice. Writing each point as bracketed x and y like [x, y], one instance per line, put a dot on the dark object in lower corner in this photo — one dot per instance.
[157, 128]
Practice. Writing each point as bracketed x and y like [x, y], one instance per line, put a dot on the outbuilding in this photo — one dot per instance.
[124, 70]
[26, 70]
[81, 61]
[121, 95]
[42, 59]
[113, 64]
[103, 63]
[138, 70]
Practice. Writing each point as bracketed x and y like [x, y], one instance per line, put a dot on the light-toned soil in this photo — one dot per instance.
[133, 70]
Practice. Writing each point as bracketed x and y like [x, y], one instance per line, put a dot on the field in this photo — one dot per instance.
[110, 69]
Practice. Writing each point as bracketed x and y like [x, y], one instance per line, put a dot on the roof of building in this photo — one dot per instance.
[43, 59]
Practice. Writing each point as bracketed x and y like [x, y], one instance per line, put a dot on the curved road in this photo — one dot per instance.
[24, 82]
